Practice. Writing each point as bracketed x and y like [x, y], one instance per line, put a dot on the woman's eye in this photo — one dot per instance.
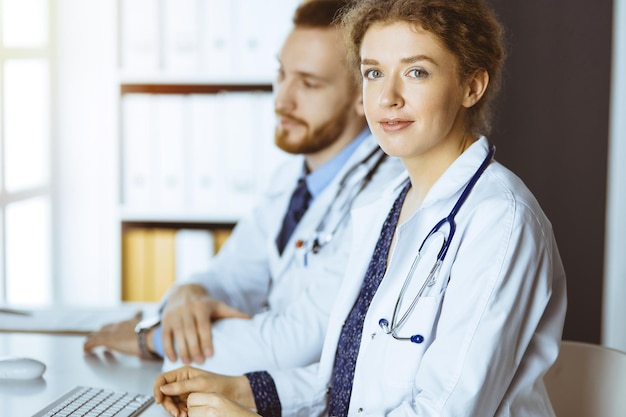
[371, 74]
[417, 73]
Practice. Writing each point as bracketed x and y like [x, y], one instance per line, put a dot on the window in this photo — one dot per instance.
[25, 157]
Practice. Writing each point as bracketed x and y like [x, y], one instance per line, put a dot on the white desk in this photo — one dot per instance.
[68, 366]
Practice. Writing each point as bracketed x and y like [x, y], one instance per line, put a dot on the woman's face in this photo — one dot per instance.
[414, 101]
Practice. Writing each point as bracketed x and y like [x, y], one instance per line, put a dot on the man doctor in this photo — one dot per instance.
[262, 305]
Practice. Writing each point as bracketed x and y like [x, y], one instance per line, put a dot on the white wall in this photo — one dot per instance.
[86, 236]
[614, 325]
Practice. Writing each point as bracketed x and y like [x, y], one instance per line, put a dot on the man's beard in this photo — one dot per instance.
[312, 142]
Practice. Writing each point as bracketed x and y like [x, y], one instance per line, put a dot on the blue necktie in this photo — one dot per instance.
[350, 337]
[297, 207]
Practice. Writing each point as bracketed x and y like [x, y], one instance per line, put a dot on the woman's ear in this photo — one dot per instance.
[476, 87]
[358, 105]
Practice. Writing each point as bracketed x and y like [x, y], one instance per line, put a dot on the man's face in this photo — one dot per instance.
[314, 95]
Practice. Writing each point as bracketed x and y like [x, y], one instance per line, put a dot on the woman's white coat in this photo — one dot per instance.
[491, 324]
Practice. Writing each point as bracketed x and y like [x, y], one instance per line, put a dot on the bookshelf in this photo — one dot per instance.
[196, 129]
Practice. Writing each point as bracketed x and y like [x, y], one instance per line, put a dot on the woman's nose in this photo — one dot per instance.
[390, 95]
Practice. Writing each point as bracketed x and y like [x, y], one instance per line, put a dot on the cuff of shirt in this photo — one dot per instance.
[265, 394]
[157, 341]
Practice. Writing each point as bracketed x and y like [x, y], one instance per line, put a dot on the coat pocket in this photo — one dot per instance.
[403, 357]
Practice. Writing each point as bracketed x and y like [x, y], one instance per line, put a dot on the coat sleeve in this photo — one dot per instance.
[239, 274]
[286, 337]
[300, 391]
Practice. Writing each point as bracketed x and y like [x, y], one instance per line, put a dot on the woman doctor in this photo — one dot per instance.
[455, 305]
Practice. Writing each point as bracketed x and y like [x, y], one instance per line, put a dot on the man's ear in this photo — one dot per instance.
[475, 88]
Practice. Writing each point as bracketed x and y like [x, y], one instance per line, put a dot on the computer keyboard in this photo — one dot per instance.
[96, 402]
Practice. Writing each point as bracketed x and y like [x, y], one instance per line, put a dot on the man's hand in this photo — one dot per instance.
[186, 323]
[119, 336]
[172, 390]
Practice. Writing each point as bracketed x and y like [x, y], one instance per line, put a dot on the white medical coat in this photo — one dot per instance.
[290, 301]
[488, 338]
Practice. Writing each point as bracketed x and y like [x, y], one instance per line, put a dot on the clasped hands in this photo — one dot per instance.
[191, 392]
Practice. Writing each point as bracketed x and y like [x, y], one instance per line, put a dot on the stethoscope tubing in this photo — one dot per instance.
[430, 279]
[316, 245]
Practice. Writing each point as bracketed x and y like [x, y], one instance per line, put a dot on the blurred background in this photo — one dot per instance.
[134, 134]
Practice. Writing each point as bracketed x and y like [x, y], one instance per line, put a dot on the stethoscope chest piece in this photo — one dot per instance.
[384, 324]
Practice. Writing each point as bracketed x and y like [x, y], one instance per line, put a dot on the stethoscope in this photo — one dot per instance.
[324, 234]
[432, 275]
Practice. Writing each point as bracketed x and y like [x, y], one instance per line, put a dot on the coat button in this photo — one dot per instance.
[360, 410]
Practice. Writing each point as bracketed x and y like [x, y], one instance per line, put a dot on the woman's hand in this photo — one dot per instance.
[215, 405]
[173, 388]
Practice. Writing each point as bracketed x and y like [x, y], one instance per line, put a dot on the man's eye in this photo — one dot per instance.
[310, 84]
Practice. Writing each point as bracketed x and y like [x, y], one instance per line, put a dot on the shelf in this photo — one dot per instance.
[190, 88]
[191, 78]
[177, 217]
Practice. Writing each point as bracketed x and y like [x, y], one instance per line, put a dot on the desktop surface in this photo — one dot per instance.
[68, 366]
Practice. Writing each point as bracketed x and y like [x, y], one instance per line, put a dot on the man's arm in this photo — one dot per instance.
[187, 323]
[118, 336]
[291, 333]
[238, 277]
[236, 286]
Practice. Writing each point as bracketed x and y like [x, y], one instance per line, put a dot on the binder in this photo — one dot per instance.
[241, 151]
[216, 35]
[220, 236]
[139, 33]
[181, 42]
[194, 251]
[170, 121]
[148, 263]
[162, 262]
[138, 168]
[254, 58]
[134, 264]
[203, 174]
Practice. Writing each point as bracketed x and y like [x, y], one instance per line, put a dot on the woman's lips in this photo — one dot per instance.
[394, 125]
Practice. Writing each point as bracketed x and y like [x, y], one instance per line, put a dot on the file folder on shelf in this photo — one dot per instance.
[181, 36]
[139, 35]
